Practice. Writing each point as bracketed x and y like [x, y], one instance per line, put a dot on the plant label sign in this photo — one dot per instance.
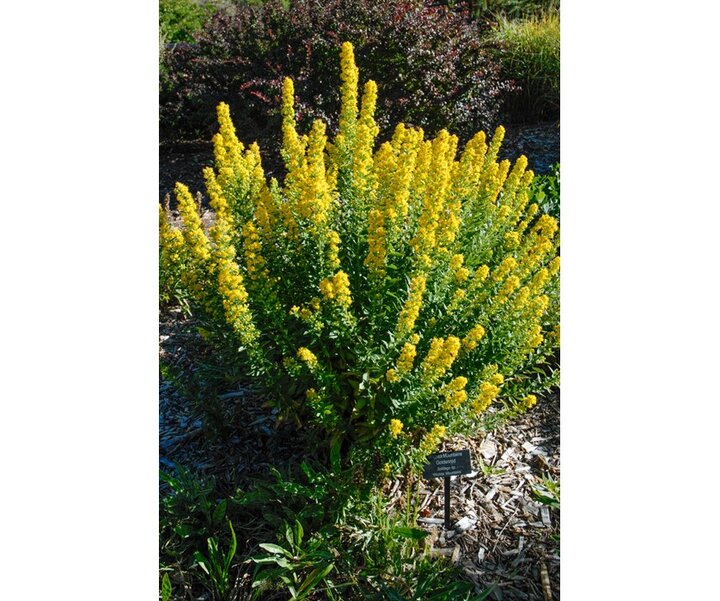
[444, 465]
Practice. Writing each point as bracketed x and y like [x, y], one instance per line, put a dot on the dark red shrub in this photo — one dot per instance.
[428, 63]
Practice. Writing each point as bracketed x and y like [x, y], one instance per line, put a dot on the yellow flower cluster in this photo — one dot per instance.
[333, 249]
[411, 309]
[308, 357]
[171, 241]
[337, 288]
[554, 266]
[502, 270]
[512, 240]
[234, 299]
[254, 261]
[485, 396]
[407, 355]
[195, 238]
[472, 338]
[454, 393]
[508, 287]
[293, 148]
[431, 439]
[349, 75]
[366, 132]
[375, 259]
[392, 375]
[444, 147]
[395, 427]
[439, 358]
[529, 401]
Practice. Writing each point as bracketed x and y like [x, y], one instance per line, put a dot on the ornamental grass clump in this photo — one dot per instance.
[383, 296]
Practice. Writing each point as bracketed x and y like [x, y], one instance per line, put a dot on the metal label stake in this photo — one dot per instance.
[444, 465]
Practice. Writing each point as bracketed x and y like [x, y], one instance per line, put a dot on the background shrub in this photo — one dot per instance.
[513, 9]
[181, 19]
[428, 62]
[529, 51]
[381, 297]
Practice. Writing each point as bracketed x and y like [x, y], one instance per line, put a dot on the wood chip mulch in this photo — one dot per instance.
[502, 537]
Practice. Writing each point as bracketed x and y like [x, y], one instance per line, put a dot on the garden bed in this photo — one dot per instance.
[513, 539]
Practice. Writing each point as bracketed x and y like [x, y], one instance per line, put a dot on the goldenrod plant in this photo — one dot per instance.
[386, 295]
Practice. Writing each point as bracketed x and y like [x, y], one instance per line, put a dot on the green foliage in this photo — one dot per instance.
[189, 511]
[548, 492]
[545, 191]
[181, 19]
[165, 588]
[300, 567]
[512, 9]
[529, 51]
[217, 564]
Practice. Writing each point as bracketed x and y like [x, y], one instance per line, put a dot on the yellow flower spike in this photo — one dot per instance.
[529, 401]
[554, 266]
[341, 285]
[485, 396]
[384, 167]
[407, 355]
[293, 149]
[539, 280]
[218, 203]
[395, 427]
[327, 289]
[411, 309]
[454, 393]
[510, 285]
[472, 338]
[440, 357]
[456, 262]
[495, 143]
[431, 440]
[362, 160]
[195, 237]
[233, 146]
[349, 76]
[512, 240]
[333, 249]
[506, 267]
[497, 379]
[458, 297]
[254, 261]
[377, 246]
[308, 357]
[392, 376]
[521, 298]
[171, 243]
[315, 198]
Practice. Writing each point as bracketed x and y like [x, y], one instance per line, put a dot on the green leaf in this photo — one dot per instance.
[232, 549]
[275, 549]
[166, 590]
[202, 561]
[219, 512]
[317, 575]
[392, 594]
[413, 533]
